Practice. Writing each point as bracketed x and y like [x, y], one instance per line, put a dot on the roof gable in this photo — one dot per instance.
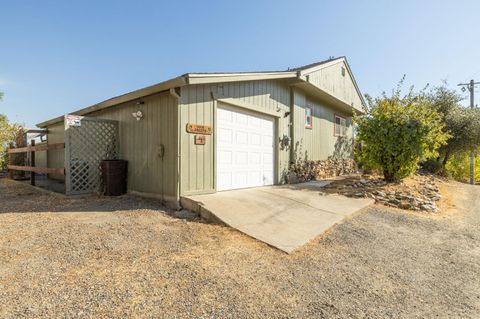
[335, 78]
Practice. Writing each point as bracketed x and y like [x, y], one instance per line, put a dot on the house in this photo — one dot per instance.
[206, 132]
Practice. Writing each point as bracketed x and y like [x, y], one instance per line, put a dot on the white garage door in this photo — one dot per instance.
[245, 147]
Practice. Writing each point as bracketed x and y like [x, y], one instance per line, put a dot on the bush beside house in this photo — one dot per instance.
[398, 133]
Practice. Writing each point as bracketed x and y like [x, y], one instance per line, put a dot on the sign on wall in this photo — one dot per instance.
[199, 129]
[73, 120]
[199, 139]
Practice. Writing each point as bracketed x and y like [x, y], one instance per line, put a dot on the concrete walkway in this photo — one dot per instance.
[285, 217]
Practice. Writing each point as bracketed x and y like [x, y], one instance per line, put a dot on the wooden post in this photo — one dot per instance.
[10, 162]
[32, 163]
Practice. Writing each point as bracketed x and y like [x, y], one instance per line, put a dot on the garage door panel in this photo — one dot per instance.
[245, 149]
[268, 126]
[224, 180]
[224, 157]
[266, 140]
[255, 158]
[255, 139]
[241, 179]
[224, 115]
[268, 177]
[267, 159]
[225, 135]
[256, 177]
[254, 122]
[241, 158]
[241, 118]
[241, 137]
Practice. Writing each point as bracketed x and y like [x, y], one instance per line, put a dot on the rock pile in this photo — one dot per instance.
[304, 171]
[423, 197]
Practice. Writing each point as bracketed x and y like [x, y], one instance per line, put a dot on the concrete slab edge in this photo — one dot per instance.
[199, 208]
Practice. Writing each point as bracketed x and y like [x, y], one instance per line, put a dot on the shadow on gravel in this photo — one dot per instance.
[16, 197]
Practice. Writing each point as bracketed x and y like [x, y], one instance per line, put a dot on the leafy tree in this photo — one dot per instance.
[463, 124]
[9, 135]
[399, 132]
[458, 167]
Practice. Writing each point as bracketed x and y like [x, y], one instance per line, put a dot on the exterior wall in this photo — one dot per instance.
[41, 157]
[319, 142]
[330, 79]
[193, 166]
[197, 106]
[56, 158]
[140, 142]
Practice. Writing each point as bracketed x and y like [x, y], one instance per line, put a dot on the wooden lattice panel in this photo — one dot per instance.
[87, 143]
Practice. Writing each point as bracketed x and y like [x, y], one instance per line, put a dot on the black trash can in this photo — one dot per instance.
[114, 177]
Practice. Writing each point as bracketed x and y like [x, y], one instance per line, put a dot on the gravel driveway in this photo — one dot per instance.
[125, 257]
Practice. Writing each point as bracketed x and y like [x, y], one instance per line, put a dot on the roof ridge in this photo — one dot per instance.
[311, 65]
[307, 66]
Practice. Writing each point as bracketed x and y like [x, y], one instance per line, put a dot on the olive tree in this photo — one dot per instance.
[398, 132]
[9, 134]
[463, 124]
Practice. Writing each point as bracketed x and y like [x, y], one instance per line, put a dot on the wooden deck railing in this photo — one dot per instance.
[32, 149]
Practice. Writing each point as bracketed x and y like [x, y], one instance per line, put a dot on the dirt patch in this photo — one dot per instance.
[124, 257]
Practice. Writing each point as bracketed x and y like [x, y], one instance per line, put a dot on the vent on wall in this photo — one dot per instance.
[343, 71]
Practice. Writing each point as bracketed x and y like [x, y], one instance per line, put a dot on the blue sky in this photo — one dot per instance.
[60, 56]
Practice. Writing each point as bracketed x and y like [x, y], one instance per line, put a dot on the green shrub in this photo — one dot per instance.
[397, 133]
[458, 167]
[9, 133]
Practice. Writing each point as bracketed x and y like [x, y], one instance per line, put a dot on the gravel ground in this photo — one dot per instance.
[126, 257]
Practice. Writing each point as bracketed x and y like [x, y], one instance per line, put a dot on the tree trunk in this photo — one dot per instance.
[389, 176]
[444, 162]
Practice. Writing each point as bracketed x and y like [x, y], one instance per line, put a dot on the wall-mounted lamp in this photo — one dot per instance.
[138, 115]
[284, 141]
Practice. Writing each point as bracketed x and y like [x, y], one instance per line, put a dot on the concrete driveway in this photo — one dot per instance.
[285, 217]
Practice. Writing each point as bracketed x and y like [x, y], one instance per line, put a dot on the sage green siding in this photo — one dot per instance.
[197, 106]
[318, 142]
[41, 157]
[140, 142]
[331, 80]
[56, 158]
[190, 169]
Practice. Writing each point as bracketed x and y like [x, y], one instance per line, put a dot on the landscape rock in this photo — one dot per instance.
[419, 197]
[304, 171]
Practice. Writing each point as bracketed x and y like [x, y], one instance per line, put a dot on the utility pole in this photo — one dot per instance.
[471, 87]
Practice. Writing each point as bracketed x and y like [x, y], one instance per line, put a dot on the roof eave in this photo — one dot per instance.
[205, 78]
[163, 86]
[328, 97]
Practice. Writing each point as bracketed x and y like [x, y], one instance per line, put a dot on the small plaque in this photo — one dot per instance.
[199, 139]
[73, 120]
[199, 129]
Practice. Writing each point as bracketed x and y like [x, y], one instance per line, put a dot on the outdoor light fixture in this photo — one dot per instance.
[138, 115]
